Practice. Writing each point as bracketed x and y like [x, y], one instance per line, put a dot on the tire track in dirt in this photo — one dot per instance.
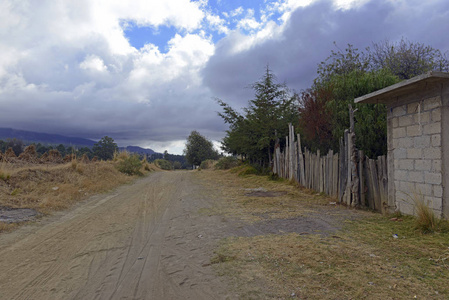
[142, 241]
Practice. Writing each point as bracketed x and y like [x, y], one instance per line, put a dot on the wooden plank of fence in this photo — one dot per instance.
[331, 173]
[375, 184]
[319, 172]
[362, 178]
[341, 174]
[290, 154]
[382, 167]
[369, 182]
[300, 162]
[335, 173]
[347, 196]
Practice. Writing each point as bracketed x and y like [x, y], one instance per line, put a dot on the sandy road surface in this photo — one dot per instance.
[142, 241]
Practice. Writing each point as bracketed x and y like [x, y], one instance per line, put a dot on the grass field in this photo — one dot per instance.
[372, 257]
[50, 187]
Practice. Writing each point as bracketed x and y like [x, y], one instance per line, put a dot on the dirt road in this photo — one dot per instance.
[142, 241]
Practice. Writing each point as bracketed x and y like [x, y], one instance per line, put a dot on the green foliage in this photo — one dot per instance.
[105, 148]
[163, 164]
[85, 150]
[253, 135]
[324, 111]
[198, 148]
[248, 170]
[227, 162]
[130, 165]
[177, 165]
[16, 145]
[346, 75]
[406, 59]
[62, 150]
[371, 120]
[3, 146]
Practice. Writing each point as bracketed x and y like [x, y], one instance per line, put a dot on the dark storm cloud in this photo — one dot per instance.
[78, 85]
[308, 39]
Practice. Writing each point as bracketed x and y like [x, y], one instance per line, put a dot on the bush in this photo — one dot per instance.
[246, 170]
[207, 164]
[118, 155]
[227, 162]
[163, 164]
[130, 165]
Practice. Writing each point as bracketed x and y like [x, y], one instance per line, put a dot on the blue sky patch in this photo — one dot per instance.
[139, 36]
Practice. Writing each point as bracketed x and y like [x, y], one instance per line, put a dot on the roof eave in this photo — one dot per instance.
[383, 95]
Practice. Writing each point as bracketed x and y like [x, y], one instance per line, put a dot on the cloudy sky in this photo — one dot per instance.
[145, 72]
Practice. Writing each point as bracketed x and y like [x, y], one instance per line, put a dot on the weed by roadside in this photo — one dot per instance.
[130, 165]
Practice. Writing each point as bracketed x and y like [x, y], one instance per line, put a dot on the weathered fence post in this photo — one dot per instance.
[301, 177]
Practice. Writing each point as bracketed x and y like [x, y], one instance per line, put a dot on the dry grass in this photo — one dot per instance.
[295, 201]
[372, 258]
[54, 187]
[121, 155]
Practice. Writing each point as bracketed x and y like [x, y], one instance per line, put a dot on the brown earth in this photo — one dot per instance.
[148, 240]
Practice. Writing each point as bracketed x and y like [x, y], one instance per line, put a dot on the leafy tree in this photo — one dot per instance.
[316, 119]
[3, 146]
[371, 128]
[105, 148]
[346, 75]
[85, 150]
[16, 145]
[406, 59]
[253, 134]
[61, 149]
[198, 148]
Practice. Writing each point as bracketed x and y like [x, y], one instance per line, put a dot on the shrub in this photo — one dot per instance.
[163, 164]
[118, 155]
[247, 170]
[130, 165]
[207, 164]
[146, 166]
[227, 162]
[426, 221]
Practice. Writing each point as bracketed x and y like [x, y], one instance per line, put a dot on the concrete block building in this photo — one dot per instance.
[418, 141]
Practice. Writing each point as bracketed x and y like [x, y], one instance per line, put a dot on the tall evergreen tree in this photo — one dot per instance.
[105, 148]
[253, 134]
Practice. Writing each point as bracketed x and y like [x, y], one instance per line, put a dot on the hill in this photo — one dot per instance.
[43, 138]
[29, 137]
[139, 150]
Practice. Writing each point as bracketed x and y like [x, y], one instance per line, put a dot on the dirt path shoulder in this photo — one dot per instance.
[142, 241]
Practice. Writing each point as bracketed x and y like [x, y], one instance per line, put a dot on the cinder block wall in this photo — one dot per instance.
[415, 149]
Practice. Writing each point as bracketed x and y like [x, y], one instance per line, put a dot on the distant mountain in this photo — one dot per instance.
[139, 150]
[56, 139]
[44, 138]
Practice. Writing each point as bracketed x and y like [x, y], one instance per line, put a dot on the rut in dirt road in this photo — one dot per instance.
[142, 241]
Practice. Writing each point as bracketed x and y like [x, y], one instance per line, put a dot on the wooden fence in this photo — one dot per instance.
[349, 176]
